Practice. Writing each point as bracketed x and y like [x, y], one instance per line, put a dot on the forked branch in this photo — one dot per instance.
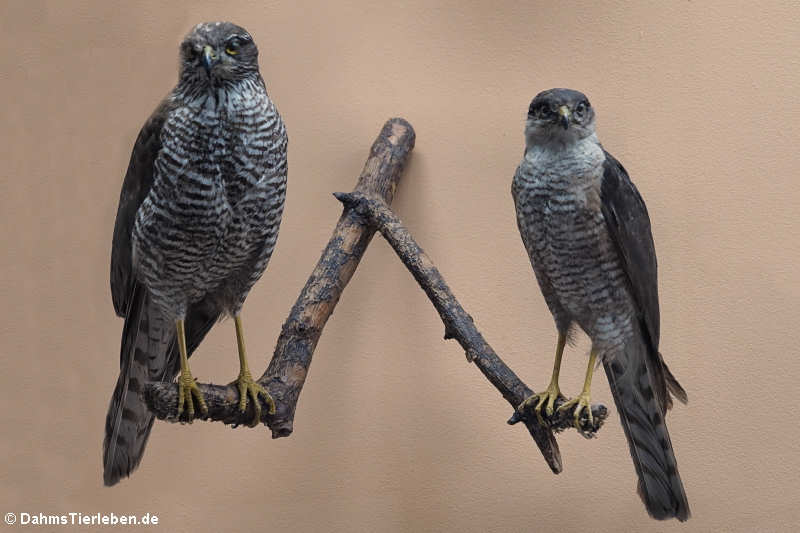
[366, 210]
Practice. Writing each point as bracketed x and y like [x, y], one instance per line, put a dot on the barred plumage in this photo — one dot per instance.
[211, 219]
[587, 234]
[562, 227]
[198, 219]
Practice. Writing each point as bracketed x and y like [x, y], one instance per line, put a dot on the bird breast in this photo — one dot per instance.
[559, 213]
[213, 190]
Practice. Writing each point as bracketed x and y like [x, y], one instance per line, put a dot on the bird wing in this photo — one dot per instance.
[137, 183]
[629, 227]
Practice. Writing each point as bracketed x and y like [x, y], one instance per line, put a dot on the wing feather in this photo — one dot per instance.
[629, 227]
[137, 183]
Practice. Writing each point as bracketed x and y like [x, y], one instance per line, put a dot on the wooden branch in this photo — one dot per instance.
[366, 210]
[287, 371]
[460, 326]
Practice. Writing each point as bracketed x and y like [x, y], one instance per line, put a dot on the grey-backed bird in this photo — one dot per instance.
[587, 233]
[197, 221]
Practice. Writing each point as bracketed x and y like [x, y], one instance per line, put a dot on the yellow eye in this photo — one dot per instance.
[232, 46]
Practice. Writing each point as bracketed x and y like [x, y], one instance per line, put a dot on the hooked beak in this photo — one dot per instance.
[564, 115]
[209, 58]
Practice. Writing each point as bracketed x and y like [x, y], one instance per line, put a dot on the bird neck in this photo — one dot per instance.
[558, 147]
[221, 95]
[576, 162]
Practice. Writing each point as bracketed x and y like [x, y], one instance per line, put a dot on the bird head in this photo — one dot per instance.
[217, 52]
[559, 116]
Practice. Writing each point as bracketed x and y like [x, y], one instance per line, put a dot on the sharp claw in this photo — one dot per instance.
[201, 402]
[269, 400]
[188, 393]
[580, 403]
[249, 388]
[545, 399]
[256, 406]
[549, 409]
[242, 396]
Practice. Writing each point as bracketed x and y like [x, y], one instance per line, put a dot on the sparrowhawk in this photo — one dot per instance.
[197, 221]
[587, 233]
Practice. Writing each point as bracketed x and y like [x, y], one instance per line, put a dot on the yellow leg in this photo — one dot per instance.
[583, 401]
[188, 391]
[548, 397]
[245, 381]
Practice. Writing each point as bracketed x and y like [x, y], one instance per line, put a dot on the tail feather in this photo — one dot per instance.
[641, 408]
[148, 353]
[673, 387]
[146, 344]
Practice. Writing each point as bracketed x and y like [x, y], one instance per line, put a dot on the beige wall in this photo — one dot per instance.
[395, 431]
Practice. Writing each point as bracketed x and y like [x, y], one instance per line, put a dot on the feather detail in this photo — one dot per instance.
[146, 340]
[642, 417]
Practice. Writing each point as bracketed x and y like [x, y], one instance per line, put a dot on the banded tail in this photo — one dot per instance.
[641, 385]
[146, 342]
[148, 352]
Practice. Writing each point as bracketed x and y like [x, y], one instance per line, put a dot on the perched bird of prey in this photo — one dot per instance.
[587, 233]
[197, 221]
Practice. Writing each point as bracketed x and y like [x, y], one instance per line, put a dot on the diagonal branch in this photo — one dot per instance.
[460, 326]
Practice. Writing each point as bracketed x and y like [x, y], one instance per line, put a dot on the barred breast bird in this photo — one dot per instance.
[197, 221]
[587, 233]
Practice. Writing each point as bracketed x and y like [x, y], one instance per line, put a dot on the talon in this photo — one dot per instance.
[545, 398]
[581, 403]
[188, 393]
[200, 400]
[248, 387]
[180, 400]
